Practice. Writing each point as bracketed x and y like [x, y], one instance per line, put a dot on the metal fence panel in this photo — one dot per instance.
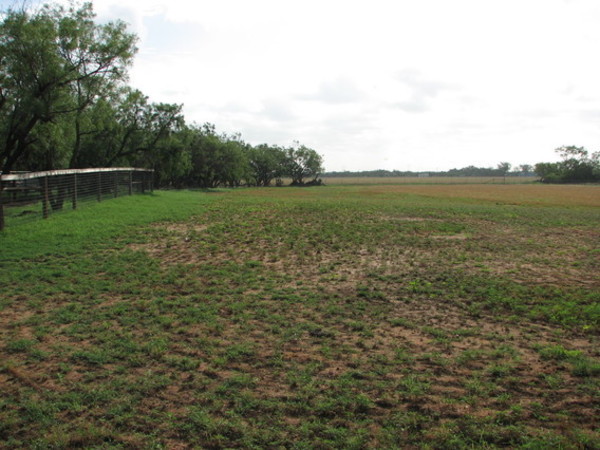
[33, 195]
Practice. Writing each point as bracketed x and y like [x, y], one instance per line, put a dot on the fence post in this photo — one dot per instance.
[1, 207]
[74, 191]
[116, 183]
[99, 186]
[130, 182]
[151, 181]
[45, 198]
[143, 182]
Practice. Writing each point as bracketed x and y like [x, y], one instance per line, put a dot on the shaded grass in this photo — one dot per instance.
[331, 317]
[70, 231]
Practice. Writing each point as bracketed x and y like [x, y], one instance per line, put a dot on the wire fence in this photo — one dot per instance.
[29, 196]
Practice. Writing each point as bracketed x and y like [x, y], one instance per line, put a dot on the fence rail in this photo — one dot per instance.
[29, 195]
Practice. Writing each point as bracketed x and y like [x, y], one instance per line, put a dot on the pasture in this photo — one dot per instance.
[336, 181]
[340, 316]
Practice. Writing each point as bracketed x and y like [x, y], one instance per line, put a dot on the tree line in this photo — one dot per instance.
[578, 165]
[65, 104]
[503, 169]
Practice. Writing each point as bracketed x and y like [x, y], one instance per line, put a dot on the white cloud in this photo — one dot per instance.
[340, 90]
[393, 84]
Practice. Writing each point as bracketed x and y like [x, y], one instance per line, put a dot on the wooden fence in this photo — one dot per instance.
[29, 195]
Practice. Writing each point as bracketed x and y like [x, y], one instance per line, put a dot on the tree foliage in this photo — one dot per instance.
[301, 163]
[216, 159]
[504, 168]
[266, 163]
[64, 103]
[577, 166]
[45, 58]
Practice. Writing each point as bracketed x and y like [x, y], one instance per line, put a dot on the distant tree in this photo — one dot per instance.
[548, 172]
[216, 160]
[504, 168]
[568, 152]
[302, 163]
[233, 167]
[577, 166]
[471, 171]
[266, 163]
[171, 160]
[526, 169]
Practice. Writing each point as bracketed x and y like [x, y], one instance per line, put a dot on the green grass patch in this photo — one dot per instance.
[343, 316]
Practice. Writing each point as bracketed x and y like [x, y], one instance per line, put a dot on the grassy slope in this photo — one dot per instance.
[344, 316]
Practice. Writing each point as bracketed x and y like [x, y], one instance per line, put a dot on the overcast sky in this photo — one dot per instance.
[405, 84]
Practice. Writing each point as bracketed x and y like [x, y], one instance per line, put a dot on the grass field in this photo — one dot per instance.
[338, 316]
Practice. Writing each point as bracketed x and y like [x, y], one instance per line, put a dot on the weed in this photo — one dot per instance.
[558, 352]
[586, 368]
[20, 346]
[402, 322]
[581, 366]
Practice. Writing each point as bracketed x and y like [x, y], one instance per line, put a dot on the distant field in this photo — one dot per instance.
[531, 194]
[383, 316]
[428, 180]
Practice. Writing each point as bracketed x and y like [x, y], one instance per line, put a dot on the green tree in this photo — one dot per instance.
[205, 153]
[217, 160]
[171, 159]
[266, 163]
[126, 129]
[142, 128]
[51, 146]
[302, 163]
[526, 169]
[504, 168]
[44, 56]
[577, 166]
[95, 133]
[548, 172]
